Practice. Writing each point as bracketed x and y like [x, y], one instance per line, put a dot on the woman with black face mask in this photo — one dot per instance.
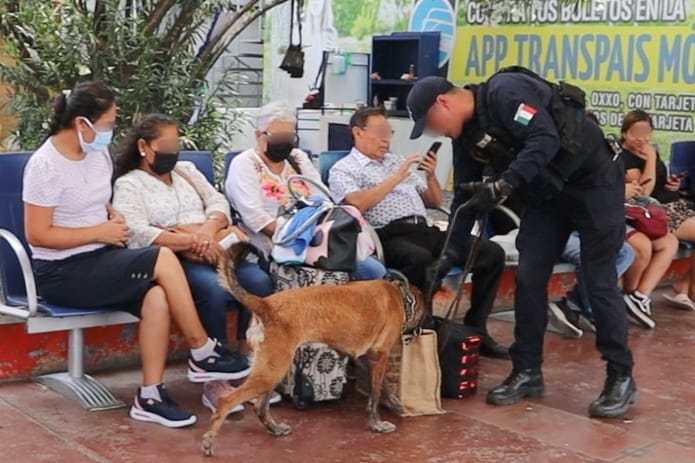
[256, 184]
[77, 241]
[171, 204]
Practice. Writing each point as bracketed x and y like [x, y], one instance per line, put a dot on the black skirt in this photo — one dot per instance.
[109, 277]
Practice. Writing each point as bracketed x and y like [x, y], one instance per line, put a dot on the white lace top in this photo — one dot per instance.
[150, 205]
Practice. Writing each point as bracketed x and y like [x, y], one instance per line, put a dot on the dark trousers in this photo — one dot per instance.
[411, 248]
[596, 212]
[212, 301]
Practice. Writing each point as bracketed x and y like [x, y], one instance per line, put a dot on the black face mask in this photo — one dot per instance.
[164, 162]
[279, 150]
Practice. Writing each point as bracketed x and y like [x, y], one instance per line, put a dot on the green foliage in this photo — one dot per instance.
[367, 21]
[344, 14]
[150, 61]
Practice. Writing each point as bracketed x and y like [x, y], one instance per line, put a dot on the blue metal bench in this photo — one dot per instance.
[683, 160]
[19, 298]
[326, 161]
[203, 162]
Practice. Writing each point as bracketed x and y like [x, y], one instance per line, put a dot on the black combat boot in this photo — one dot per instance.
[619, 392]
[518, 385]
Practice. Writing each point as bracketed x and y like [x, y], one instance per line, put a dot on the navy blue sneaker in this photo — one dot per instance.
[165, 412]
[220, 366]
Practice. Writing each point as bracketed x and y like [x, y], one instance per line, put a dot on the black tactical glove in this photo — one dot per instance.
[488, 194]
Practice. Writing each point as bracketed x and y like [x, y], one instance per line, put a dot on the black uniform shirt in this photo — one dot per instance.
[517, 109]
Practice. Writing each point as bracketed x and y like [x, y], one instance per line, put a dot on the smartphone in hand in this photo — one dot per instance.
[229, 240]
[432, 149]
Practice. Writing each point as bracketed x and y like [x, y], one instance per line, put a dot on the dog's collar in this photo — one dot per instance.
[408, 298]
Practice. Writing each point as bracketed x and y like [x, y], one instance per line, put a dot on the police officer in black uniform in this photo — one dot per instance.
[533, 137]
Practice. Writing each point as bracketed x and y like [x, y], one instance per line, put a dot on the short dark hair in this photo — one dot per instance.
[359, 119]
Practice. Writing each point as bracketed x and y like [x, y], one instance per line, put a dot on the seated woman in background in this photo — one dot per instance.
[77, 242]
[171, 204]
[645, 175]
[573, 313]
[256, 184]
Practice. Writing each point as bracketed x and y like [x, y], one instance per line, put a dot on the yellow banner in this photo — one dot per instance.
[621, 67]
[644, 56]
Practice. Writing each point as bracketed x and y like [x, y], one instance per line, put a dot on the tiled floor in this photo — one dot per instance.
[37, 425]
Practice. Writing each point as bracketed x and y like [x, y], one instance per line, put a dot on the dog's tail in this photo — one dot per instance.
[227, 276]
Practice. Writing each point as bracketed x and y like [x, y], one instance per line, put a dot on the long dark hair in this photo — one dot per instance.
[147, 128]
[88, 99]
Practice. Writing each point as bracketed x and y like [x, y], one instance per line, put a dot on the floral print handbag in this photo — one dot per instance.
[318, 372]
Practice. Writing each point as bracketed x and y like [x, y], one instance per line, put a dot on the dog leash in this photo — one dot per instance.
[481, 219]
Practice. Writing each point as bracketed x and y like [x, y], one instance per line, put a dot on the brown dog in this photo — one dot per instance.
[355, 318]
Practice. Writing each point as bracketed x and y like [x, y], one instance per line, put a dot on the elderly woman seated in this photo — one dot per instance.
[256, 184]
[171, 204]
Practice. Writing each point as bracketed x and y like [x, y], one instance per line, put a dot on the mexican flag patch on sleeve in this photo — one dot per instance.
[524, 114]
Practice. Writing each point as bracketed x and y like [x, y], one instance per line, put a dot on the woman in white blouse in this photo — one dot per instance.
[171, 204]
[156, 194]
[77, 244]
[256, 184]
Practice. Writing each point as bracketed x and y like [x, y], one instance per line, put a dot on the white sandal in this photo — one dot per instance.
[680, 301]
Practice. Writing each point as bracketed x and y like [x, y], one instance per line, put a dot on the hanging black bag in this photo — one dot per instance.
[293, 62]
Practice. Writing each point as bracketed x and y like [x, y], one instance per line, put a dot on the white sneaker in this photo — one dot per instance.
[680, 301]
[213, 390]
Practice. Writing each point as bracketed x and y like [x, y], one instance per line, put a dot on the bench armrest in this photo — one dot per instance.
[27, 274]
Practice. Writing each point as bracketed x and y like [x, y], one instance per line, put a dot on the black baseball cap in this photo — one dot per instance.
[421, 98]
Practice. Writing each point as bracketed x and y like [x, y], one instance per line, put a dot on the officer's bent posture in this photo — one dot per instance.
[535, 140]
